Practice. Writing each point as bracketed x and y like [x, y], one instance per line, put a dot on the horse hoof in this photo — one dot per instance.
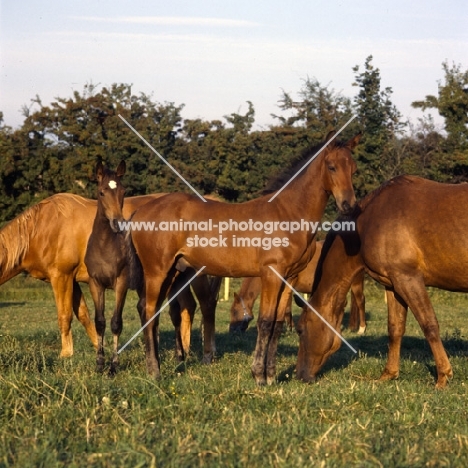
[271, 380]
[260, 379]
[113, 370]
[361, 330]
[387, 375]
[207, 359]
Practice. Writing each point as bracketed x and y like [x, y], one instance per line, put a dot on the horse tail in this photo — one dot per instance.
[15, 238]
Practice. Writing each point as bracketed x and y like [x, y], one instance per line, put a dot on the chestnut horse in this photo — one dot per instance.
[399, 245]
[49, 240]
[253, 253]
[241, 308]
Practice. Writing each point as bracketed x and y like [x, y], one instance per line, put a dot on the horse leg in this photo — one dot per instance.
[187, 307]
[182, 309]
[288, 314]
[397, 313]
[63, 292]
[284, 306]
[156, 287]
[176, 318]
[269, 327]
[413, 292]
[358, 305]
[116, 321]
[82, 313]
[98, 295]
[207, 299]
[214, 285]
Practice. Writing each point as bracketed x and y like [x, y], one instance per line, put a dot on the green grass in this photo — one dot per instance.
[56, 412]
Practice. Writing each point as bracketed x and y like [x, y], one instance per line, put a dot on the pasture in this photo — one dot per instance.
[59, 412]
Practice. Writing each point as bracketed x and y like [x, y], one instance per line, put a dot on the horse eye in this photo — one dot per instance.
[332, 168]
[101, 193]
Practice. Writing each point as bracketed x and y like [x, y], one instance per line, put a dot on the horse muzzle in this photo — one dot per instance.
[347, 208]
[305, 376]
[116, 225]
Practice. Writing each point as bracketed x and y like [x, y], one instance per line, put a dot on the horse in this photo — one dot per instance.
[259, 252]
[106, 258]
[48, 241]
[398, 245]
[241, 308]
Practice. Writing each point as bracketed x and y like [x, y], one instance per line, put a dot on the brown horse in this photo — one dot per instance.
[49, 241]
[106, 258]
[258, 244]
[410, 234]
[241, 308]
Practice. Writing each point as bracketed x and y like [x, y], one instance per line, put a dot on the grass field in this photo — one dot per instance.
[57, 412]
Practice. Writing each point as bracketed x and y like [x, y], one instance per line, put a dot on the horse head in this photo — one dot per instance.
[240, 315]
[337, 170]
[111, 193]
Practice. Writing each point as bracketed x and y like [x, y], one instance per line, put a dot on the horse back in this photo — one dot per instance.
[417, 226]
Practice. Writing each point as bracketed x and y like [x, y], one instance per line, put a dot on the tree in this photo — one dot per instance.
[450, 163]
[69, 136]
[318, 110]
[452, 105]
[381, 123]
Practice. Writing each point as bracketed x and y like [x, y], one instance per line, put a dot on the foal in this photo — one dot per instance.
[106, 258]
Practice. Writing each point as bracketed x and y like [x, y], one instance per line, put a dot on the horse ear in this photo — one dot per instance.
[351, 144]
[329, 136]
[236, 296]
[121, 168]
[99, 171]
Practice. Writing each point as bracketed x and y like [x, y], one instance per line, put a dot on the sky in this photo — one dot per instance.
[213, 56]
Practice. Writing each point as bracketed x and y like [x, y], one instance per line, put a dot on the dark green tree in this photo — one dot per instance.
[450, 162]
[452, 105]
[69, 136]
[381, 123]
[318, 110]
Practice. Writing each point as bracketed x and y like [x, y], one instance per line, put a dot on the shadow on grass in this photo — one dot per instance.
[11, 304]
[412, 348]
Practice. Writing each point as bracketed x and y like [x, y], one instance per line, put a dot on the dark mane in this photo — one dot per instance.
[295, 164]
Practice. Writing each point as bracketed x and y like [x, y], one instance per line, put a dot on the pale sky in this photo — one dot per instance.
[215, 55]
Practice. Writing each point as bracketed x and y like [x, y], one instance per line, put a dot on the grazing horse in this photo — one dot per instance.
[48, 241]
[255, 238]
[410, 233]
[251, 287]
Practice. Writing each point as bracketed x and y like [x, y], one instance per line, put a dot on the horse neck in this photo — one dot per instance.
[8, 274]
[305, 191]
[101, 224]
[334, 276]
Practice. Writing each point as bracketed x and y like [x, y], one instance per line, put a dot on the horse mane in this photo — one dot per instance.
[15, 236]
[295, 164]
